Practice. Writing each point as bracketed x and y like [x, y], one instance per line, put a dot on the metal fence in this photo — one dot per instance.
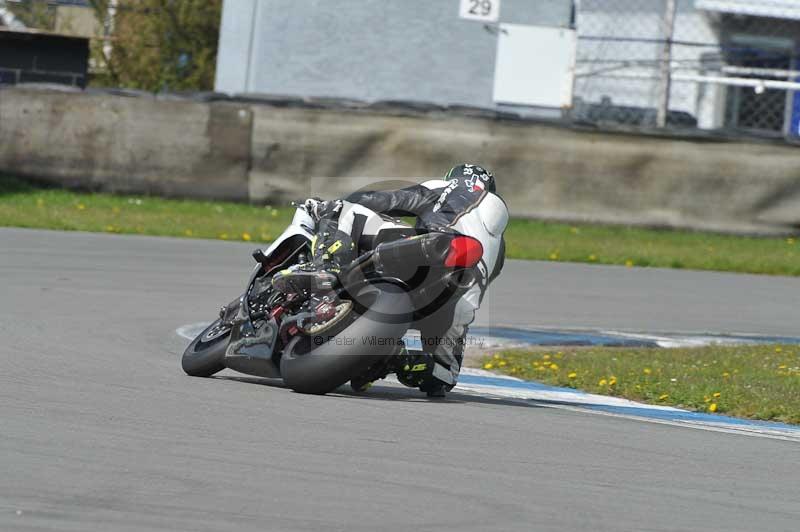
[724, 65]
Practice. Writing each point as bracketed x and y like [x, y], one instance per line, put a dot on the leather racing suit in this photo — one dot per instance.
[464, 201]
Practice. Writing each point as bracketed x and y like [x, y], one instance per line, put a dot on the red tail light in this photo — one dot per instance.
[465, 252]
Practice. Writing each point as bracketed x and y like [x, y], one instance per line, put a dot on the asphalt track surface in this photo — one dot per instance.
[101, 430]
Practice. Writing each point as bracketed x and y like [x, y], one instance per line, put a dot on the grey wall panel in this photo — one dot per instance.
[371, 49]
[235, 40]
[536, 12]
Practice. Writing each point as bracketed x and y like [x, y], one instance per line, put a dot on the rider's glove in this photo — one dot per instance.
[315, 207]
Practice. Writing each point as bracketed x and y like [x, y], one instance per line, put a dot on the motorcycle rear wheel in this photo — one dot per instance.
[320, 364]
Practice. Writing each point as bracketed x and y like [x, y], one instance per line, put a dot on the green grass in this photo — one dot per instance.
[26, 205]
[528, 239]
[22, 205]
[758, 382]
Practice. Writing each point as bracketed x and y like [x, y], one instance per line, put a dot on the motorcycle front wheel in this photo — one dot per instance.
[205, 355]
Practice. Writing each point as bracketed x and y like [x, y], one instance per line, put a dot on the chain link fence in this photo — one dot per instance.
[719, 65]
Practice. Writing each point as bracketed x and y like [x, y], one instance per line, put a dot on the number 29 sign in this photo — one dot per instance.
[483, 10]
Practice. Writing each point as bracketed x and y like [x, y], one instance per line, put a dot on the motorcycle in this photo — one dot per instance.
[322, 337]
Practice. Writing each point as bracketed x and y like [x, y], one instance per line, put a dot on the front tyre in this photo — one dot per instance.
[206, 354]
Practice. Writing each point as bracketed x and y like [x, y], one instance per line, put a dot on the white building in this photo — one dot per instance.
[399, 50]
[524, 55]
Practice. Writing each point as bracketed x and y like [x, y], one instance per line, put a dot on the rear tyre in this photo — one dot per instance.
[206, 354]
[322, 363]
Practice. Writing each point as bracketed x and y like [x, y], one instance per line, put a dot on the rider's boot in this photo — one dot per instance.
[434, 388]
[415, 369]
[360, 384]
[329, 252]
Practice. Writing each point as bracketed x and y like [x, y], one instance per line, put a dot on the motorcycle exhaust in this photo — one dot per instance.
[411, 260]
[424, 250]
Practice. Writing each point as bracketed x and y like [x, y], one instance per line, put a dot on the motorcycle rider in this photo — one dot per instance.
[465, 201]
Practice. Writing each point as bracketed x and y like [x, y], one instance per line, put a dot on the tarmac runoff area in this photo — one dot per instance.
[101, 430]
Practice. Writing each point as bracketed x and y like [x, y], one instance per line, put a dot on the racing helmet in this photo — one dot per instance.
[473, 172]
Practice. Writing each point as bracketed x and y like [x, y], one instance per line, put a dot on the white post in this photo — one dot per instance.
[251, 47]
[108, 28]
[666, 61]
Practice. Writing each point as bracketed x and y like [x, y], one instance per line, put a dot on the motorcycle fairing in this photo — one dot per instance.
[253, 354]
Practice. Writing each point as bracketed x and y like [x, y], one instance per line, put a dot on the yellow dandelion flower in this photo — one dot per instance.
[109, 229]
[592, 257]
[782, 366]
[540, 368]
[706, 399]
[663, 397]
[502, 363]
[554, 366]
[488, 365]
[612, 381]
[496, 356]
[545, 357]
[602, 382]
[647, 371]
[246, 237]
[726, 374]
[572, 375]
[712, 407]
[629, 263]
[223, 236]
[716, 394]
[80, 207]
[536, 363]
[554, 255]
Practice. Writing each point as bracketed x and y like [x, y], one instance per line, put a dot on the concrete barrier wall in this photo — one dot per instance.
[543, 171]
[271, 153]
[122, 144]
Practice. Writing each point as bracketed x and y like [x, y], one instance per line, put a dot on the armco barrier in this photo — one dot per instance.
[275, 150]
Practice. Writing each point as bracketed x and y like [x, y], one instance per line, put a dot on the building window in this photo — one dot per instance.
[767, 58]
